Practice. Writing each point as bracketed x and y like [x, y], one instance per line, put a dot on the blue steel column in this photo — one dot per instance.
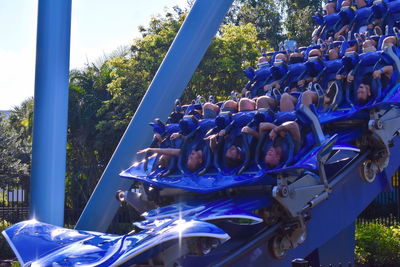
[50, 111]
[175, 72]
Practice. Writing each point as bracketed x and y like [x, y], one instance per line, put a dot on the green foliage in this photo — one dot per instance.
[298, 23]
[377, 245]
[15, 145]
[299, 26]
[220, 71]
[263, 14]
[5, 250]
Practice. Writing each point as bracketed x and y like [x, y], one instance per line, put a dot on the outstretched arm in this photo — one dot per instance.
[162, 151]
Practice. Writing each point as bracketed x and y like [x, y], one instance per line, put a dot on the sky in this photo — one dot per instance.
[98, 27]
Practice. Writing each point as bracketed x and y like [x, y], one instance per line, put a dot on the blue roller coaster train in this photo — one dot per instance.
[262, 178]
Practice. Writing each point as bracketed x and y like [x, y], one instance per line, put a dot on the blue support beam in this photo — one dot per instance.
[175, 72]
[50, 111]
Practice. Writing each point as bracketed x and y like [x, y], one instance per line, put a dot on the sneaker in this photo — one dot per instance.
[332, 93]
[378, 31]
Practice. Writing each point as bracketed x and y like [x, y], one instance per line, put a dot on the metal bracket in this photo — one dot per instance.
[384, 125]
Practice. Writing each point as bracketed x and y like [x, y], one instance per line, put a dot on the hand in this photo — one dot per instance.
[350, 78]
[377, 74]
[246, 130]
[210, 137]
[158, 137]
[143, 151]
[175, 135]
[326, 99]
[267, 87]
[222, 133]
[272, 134]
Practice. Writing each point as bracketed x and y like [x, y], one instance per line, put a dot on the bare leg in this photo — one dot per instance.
[265, 102]
[246, 104]
[308, 98]
[231, 105]
[287, 102]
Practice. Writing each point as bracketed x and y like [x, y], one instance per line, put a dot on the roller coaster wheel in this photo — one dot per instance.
[367, 171]
[276, 247]
[120, 195]
[203, 245]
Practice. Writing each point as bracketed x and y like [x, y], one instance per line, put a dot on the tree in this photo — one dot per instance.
[263, 14]
[15, 146]
[299, 26]
[220, 71]
[299, 23]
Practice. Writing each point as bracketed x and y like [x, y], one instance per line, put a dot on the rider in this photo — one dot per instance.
[274, 155]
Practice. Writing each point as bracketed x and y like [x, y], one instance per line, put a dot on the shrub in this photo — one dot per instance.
[377, 245]
[5, 250]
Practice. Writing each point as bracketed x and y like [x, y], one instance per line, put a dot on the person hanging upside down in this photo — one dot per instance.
[275, 154]
[194, 161]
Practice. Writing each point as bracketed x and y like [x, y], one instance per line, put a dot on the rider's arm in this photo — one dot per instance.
[250, 131]
[162, 151]
[291, 127]
[266, 126]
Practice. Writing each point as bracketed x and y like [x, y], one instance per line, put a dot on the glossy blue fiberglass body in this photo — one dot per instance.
[45, 245]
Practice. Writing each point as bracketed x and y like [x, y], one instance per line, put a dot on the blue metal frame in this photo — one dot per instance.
[175, 72]
[50, 111]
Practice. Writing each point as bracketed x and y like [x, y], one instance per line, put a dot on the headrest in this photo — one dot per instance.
[262, 74]
[264, 114]
[393, 6]
[296, 69]
[350, 60]
[347, 14]
[379, 9]
[281, 117]
[333, 65]
[175, 117]
[363, 13]
[278, 72]
[188, 124]
[315, 67]
[331, 19]
[224, 119]
[249, 72]
[158, 126]
[318, 19]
